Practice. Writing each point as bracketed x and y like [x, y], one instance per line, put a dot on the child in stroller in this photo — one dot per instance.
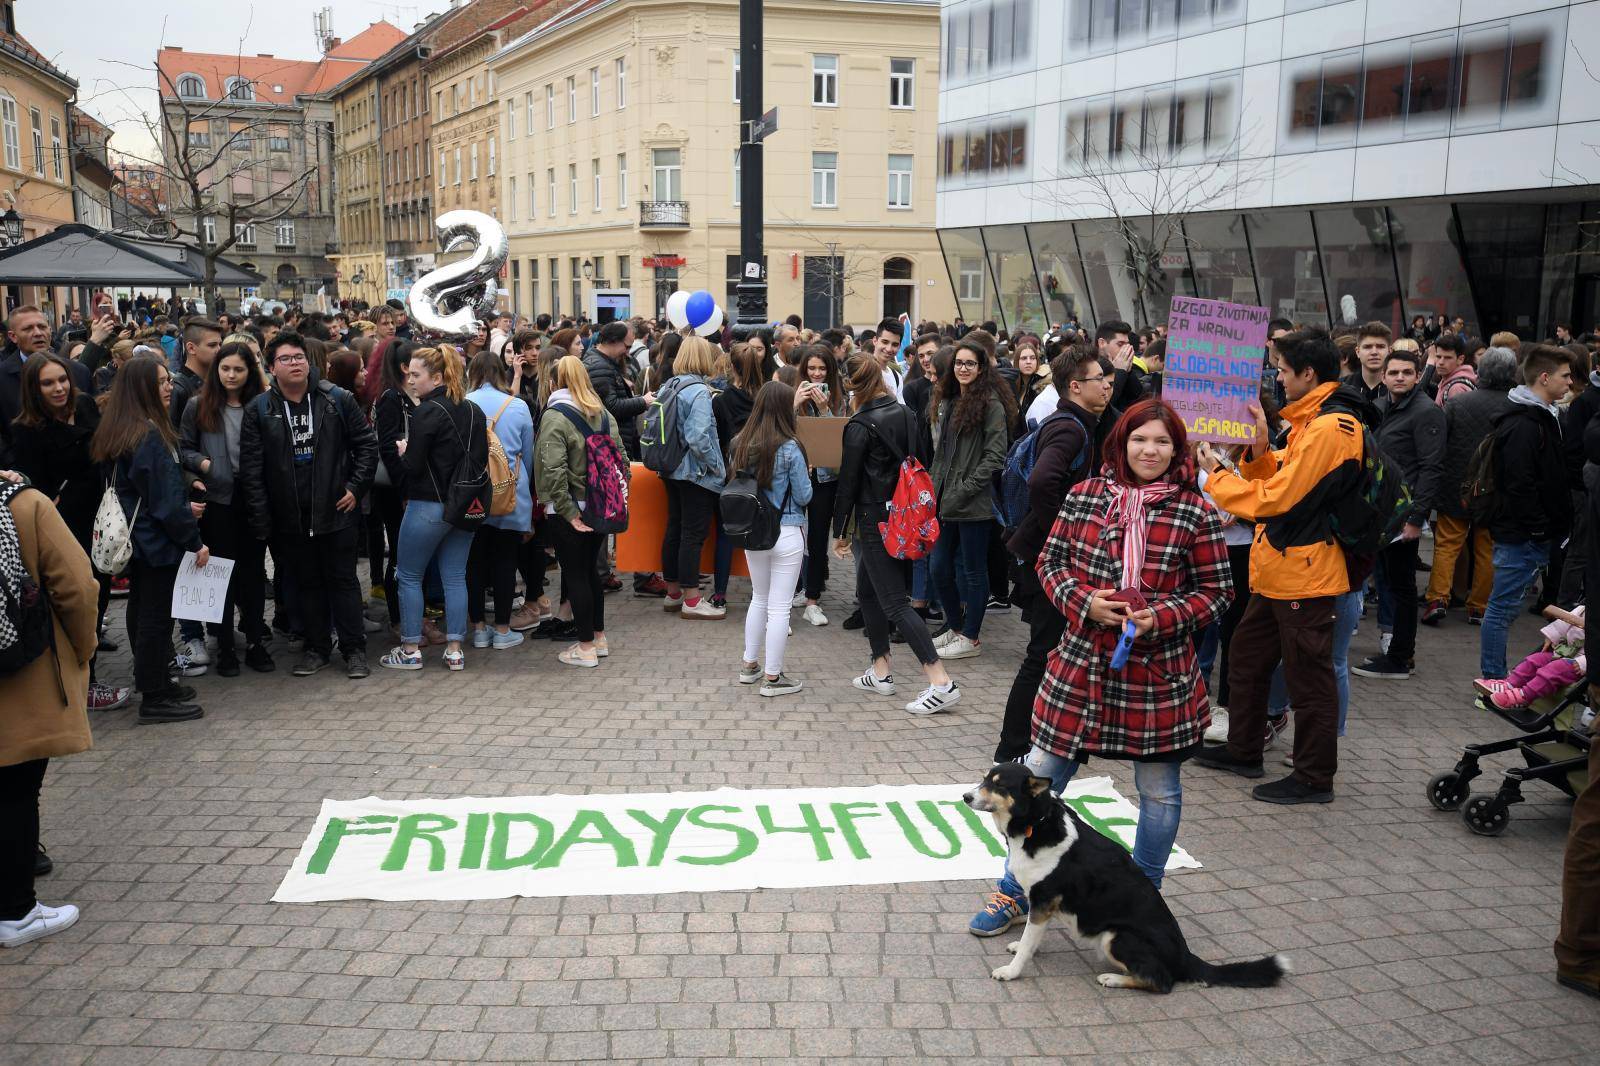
[1547, 672]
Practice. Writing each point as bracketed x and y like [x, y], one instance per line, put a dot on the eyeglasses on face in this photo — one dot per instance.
[966, 364]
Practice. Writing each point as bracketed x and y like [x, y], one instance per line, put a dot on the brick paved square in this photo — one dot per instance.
[1413, 939]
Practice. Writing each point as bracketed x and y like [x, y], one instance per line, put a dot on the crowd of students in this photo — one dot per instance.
[464, 472]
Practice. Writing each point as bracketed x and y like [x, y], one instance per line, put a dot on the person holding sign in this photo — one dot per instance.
[138, 441]
[1297, 568]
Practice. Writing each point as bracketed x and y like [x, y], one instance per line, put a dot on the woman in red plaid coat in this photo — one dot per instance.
[1142, 525]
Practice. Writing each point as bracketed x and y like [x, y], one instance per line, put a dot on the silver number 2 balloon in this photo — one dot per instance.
[449, 300]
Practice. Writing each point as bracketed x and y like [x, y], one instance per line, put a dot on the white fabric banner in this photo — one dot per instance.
[664, 842]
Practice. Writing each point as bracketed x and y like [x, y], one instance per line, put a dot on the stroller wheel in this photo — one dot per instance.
[1486, 816]
[1447, 792]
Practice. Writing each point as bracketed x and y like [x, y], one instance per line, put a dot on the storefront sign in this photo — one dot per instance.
[657, 262]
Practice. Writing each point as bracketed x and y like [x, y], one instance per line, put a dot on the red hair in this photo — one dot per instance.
[1114, 452]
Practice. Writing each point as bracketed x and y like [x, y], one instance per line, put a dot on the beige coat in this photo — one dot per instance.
[35, 721]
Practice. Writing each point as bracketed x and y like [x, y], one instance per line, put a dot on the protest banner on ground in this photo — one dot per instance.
[661, 842]
[1215, 353]
[199, 592]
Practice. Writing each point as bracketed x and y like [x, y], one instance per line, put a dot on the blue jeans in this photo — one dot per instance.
[424, 534]
[1160, 808]
[1347, 613]
[961, 574]
[1514, 568]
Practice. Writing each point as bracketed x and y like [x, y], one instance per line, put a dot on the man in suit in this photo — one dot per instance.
[29, 334]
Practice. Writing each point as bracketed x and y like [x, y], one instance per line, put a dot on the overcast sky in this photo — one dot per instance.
[110, 45]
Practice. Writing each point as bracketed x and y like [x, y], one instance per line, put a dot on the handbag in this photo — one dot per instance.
[112, 546]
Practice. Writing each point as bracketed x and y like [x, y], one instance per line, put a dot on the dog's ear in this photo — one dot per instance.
[1038, 786]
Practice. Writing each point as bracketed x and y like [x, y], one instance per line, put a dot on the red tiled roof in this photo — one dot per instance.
[14, 42]
[276, 80]
[370, 43]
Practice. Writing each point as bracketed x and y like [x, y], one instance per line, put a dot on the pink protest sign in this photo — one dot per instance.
[1213, 369]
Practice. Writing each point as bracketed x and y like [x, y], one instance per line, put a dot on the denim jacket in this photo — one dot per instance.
[789, 475]
[702, 463]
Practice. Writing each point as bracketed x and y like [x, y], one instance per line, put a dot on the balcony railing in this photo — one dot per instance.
[663, 214]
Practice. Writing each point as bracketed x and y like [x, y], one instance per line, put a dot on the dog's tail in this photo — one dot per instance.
[1258, 973]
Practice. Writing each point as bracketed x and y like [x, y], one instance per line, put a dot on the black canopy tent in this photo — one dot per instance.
[80, 256]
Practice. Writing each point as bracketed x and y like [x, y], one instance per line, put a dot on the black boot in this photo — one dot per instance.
[165, 707]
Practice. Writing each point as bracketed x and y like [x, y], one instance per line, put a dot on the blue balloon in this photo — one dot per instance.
[698, 309]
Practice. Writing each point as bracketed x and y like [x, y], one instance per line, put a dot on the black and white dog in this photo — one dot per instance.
[1068, 868]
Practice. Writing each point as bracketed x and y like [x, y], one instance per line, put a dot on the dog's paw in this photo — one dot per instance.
[1006, 973]
[1113, 980]
[1013, 946]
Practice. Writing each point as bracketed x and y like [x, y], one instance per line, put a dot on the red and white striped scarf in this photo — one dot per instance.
[1130, 511]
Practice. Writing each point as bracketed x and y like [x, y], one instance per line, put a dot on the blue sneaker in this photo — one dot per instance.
[998, 915]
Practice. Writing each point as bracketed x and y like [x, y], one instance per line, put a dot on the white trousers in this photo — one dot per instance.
[773, 574]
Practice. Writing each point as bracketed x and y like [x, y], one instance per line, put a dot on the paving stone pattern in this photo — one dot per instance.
[1412, 939]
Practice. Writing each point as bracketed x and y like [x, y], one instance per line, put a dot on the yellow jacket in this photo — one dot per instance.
[1294, 555]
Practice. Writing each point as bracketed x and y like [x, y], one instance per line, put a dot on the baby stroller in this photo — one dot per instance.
[1556, 734]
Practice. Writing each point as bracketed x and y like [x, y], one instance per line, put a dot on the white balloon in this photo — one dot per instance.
[712, 324]
[675, 309]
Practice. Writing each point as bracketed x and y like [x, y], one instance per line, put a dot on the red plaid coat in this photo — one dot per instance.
[1156, 704]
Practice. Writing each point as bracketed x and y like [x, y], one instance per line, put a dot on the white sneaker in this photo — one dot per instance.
[187, 666]
[813, 614]
[934, 699]
[196, 651]
[39, 922]
[749, 675]
[1383, 642]
[799, 600]
[960, 647]
[704, 609]
[1217, 731]
[941, 639]
[871, 682]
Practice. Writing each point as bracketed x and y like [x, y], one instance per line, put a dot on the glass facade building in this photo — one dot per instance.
[1336, 162]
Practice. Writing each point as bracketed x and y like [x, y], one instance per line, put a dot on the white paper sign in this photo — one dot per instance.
[198, 594]
[649, 843]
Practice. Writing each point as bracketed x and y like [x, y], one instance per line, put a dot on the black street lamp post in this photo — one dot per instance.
[752, 289]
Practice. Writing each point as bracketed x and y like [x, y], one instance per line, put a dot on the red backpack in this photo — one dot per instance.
[912, 525]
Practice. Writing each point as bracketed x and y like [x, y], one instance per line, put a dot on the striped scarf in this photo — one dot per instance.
[1130, 511]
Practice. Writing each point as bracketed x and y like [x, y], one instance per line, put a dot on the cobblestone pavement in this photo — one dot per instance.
[1412, 939]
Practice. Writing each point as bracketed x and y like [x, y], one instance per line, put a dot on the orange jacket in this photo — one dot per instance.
[1272, 486]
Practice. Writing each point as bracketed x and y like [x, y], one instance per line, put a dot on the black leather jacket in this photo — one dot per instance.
[345, 458]
[876, 440]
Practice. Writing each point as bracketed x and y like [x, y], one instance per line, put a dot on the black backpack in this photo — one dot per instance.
[1365, 519]
[27, 629]
[1478, 495]
[748, 517]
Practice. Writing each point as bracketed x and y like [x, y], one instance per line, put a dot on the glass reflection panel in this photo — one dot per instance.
[1017, 287]
[1358, 263]
[1427, 250]
[969, 272]
[1287, 270]
[1105, 264]
[1063, 289]
[1221, 258]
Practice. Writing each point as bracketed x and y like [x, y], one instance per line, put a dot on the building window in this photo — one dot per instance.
[549, 107]
[511, 198]
[572, 100]
[594, 92]
[825, 81]
[473, 173]
[283, 234]
[240, 89]
[55, 148]
[458, 165]
[551, 175]
[622, 82]
[533, 198]
[738, 179]
[900, 182]
[622, 180]
[38, 140]
[555, 287]
[533, 287]
[624, 272]
[208, 229]
[572, 188]
[575, 275]
[13, 137]
[738, 76]
[970, 275]
[491, 157]
[902, 82]
[666, 165]
[824, 179]
[200, 139]
[245, 233]
[511, 120]
[595, 166]
[191, 87]
[277, 143]
[441, 170]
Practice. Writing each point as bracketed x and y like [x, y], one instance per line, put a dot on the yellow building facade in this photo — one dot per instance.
[618, 165]
[358, 201]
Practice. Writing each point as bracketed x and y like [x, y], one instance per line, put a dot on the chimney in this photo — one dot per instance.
[331, 43]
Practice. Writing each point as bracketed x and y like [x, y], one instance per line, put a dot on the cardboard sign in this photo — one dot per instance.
[646, 843]
[198, 593]
[822, 439]
[1215, 352]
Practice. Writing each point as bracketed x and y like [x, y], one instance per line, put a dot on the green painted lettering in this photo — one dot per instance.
[975, 824]
[935, 819]
[661, 831]
[472, 846]
[500, 840]
[423, 827]
[743, 849]
[339, 828]
[605, 833]
[846, 815]
[808, 814]
[1106, 826]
